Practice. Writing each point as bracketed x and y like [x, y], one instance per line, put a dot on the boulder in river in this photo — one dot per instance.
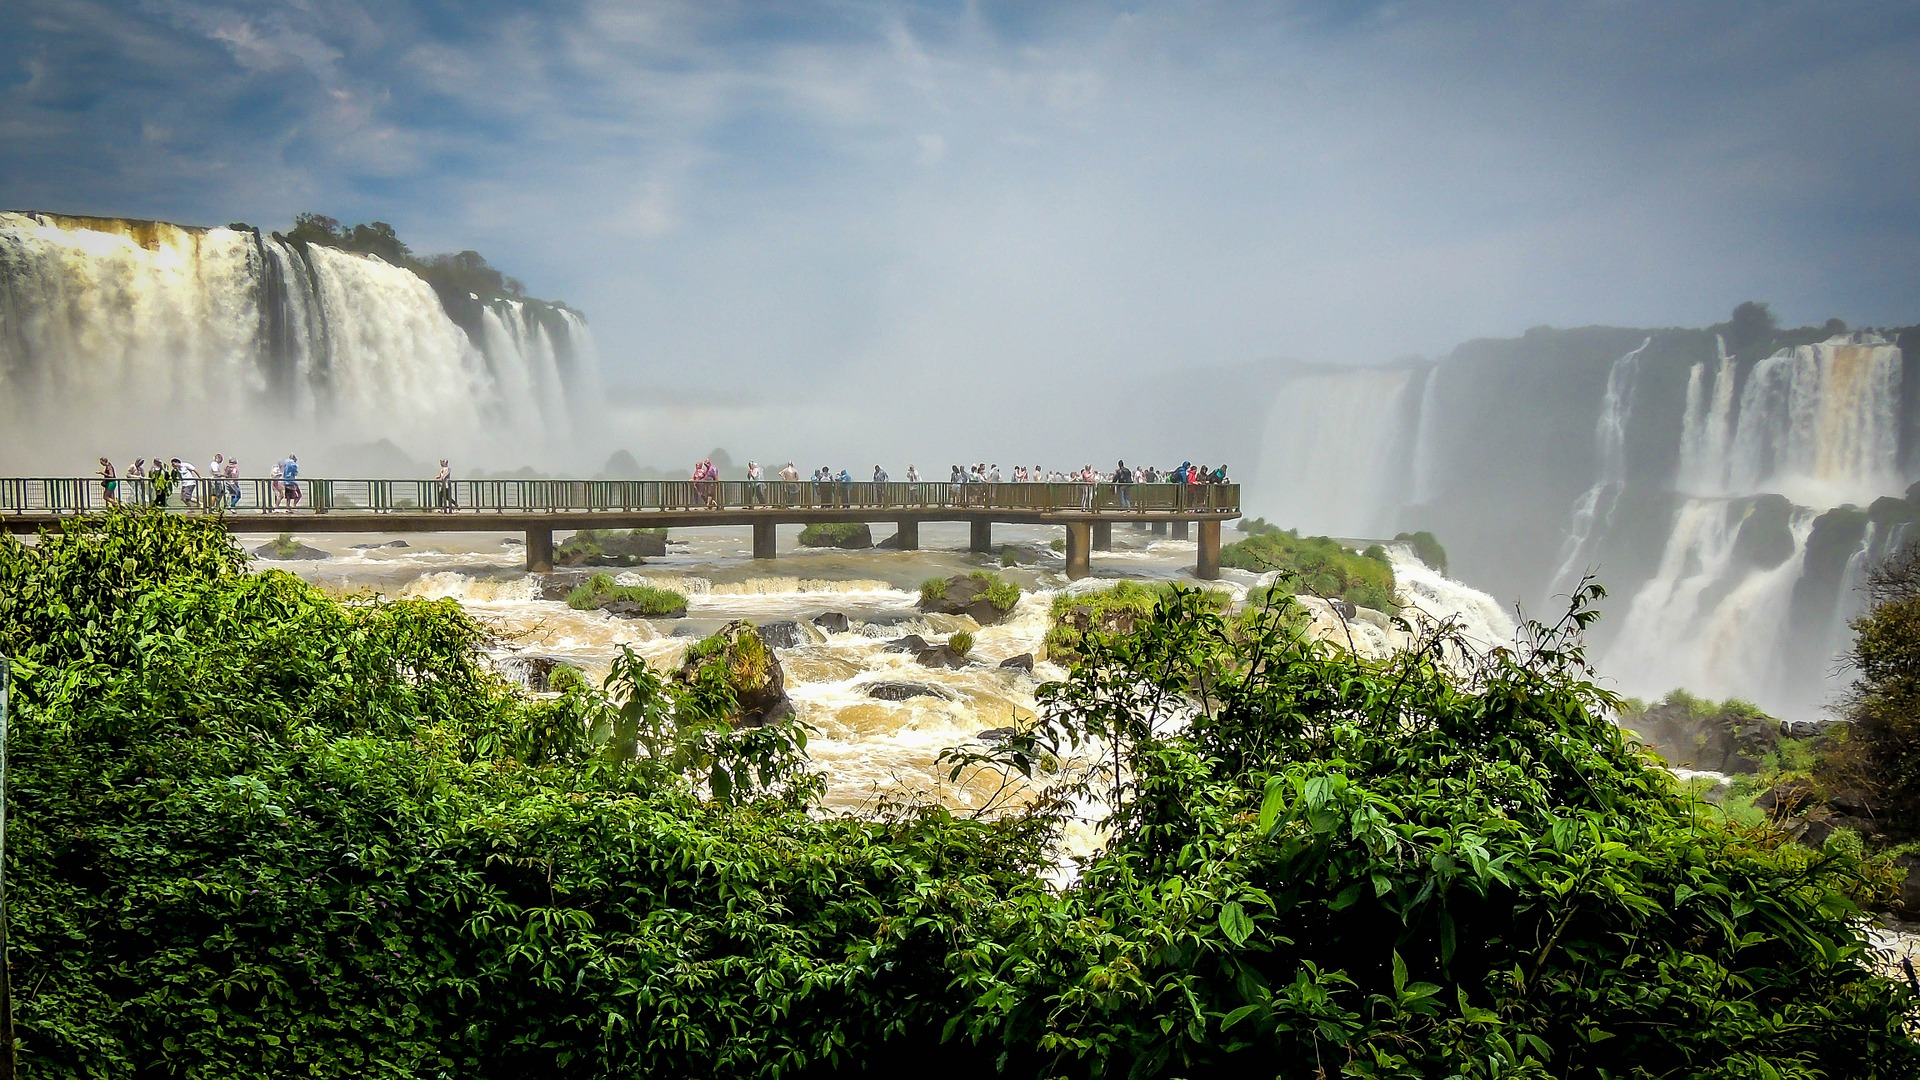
[853, 535]
[942, 656]
[912, 643]
[903, 691]
[1023, 662]
[749, 668]
[634, 609]
[287, 549]
[833, 622]
[985, 598]
[376, 547]
[790, 634]
[533, 672]
[997, 734]
[611, 547]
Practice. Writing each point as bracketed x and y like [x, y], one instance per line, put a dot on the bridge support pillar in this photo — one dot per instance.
[1079, 537]
[1103, 536]
[763, 544]
[1159, 528]
[539, 551]
[1207, 567]
[1180, 530]
[908, 530]
[982, 536]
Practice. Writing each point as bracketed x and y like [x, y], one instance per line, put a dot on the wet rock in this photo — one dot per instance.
[789, 634]
[851, 535]
[891, 543]
[1023, 662]
[560, 585]
[965, 594]
[1907, 904]
[941, 656]
[1346, 609]
[1813, 829]
[513, 541]
[685, 630]
[291, 551]
[1723, 741]
[903, 691]
[1786, 798]
[912, 643]
[533, 672]
[833, 622]
[633, 609]
[610, 547]
[376, 547]
[997, 734]
[749, 668]
[1852, 802]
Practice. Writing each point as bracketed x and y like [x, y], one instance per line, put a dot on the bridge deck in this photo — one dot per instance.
[542, 507]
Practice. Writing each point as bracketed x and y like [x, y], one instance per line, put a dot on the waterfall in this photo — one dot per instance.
[1426, 434]
[1818, 423]
[1709, 620]
[1610, 454]
[1328, 460]
[151, 332]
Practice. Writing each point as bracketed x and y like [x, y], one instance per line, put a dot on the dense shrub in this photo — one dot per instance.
[1316, 565]
[650, 600]
[1881, 752]
[1426, 547]
[258, 832]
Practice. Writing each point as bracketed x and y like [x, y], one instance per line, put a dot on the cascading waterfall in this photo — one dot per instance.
[1709, 620]
[1610, 450]
[151, 331]
[1333, 446]
[1817, 423]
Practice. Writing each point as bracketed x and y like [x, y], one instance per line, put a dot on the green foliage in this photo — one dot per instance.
[1256, 526]
[836, 534]
[1881, 751]
[1316, 565]
[1426, 547]
[1009, 557]
[933, 589]
[961, 642]
[1004, 595]
[460, 274]
[610, 547]
[601, 589]
[285, 546]
[255, 831]
[1108, 610]
[565, 678]
[1437, 864]
[1376, 553]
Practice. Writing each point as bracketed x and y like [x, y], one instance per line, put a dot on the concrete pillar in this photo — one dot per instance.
[539, 551]
[1159, 528]
[908, 530]
[982, 536]
[1207, 567]
[763, 545]
[1103, 536]
[1079, 539]
[1180, 530]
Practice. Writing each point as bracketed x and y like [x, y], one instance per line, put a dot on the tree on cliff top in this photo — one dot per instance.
[1753, 324]
[1881, 754]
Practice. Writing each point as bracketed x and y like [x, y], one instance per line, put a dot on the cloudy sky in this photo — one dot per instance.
[758, 200]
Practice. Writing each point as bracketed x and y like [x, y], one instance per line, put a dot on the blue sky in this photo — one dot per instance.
[760, 199]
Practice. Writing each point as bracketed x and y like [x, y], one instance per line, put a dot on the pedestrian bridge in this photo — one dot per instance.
[539, 508]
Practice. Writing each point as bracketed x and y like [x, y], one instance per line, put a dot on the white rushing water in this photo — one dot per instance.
[1330, 460]
[1817, 423]
[1593, 511]
[115, 335]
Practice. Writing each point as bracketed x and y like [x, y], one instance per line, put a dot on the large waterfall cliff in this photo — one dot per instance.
[1729, 498]
[117, 335]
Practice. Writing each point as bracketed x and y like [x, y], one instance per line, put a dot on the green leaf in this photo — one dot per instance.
[1234, 922]
[1273, 804]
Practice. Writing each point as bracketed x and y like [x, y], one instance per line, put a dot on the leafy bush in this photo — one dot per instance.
[1881, 751]
[1009, 557]
[1114, 608]
[997, 591]
[1426, 547]
[961, 642]
[933, 589]
[1256, 526]
[837, 534]
[601, 589]
[1316, 565]
[259, 832]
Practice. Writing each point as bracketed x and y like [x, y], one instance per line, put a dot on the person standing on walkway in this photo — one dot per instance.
[790, 476]
[444, 490]
[233, 482]
[755, 493]
[216, 493]
[109, 483]
[189, 483]
[164, 475]
[290, 481]
[1123, 485]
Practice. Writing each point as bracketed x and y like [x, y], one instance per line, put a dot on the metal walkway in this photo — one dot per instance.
[541, 507]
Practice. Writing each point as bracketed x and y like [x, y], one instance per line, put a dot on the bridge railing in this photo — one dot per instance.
[71, 495]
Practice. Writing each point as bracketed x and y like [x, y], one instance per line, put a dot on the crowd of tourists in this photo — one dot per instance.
[963, 484]
[218, 488]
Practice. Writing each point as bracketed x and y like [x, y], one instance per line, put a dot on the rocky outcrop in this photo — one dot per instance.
[972, 595]
[289, 551]
[789, 634]
[904, 691]
[610, 547]
[997, 734]
[634, 609]
[748, 667]
[1023, 662]
[912, 643]
[1689, 737]
[852, 535]
[560, 584]
[376, 547]
[833, 622]
[942, 656]
[533, 672]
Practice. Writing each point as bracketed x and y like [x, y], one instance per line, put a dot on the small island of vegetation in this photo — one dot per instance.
[1316, 565]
